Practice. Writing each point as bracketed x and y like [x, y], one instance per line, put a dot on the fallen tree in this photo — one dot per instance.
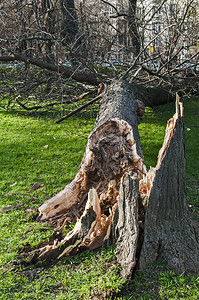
[117, 201]
[148, 86]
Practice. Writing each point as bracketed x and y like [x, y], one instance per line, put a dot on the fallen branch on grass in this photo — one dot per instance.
[52, 104]
[81, 107]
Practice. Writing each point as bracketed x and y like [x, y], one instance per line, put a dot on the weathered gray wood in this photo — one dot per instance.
[168, 232]
[127, 227]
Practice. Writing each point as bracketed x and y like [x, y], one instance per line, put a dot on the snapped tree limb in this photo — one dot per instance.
[144, 213]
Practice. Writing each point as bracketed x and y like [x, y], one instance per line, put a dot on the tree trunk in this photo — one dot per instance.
[168, 232]
[144, 213]
[70, 32]
[69, 22]
[113, 148]
[133, 30]
[127, 226]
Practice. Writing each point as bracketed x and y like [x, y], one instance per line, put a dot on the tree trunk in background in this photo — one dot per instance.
[144, 213]
[69, 24]
[133, 31]
[70, 31]
[48, 11]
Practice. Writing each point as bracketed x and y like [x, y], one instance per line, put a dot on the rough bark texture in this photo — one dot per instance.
[168, 232]
[121, 102]
[113, 149]
[127, 227]
[147, 212]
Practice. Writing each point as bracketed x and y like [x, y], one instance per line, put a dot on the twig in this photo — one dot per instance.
[54, 103]
[81, 107]
[40, 106]
[138, 56]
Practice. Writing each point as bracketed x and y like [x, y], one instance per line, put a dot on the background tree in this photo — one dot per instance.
[133, 29]
[156, 44]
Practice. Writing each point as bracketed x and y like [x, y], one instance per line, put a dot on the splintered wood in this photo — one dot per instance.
[115, 199]
[110, 153]
[146, 183]
[90, 231]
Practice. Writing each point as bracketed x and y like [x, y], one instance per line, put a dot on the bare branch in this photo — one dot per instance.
[142, 51]
[82, 107]
[80, 77]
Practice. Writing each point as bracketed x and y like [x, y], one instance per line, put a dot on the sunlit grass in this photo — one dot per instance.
[87, 274]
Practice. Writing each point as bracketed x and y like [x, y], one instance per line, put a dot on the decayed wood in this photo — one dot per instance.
[111, 151]
[113, 148]
[144, 213]
[90, 231]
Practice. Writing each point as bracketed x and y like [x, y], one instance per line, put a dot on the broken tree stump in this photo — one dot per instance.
[169, 233]
[113, 149]
[144, 213]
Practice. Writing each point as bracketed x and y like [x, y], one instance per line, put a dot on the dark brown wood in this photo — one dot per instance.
[7, 58]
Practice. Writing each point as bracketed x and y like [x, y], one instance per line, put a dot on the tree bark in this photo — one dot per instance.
[133, 31]
[144, 213]
[113, 148]
[169, 233]
[70, 22]
[127, 226]
[70, 32]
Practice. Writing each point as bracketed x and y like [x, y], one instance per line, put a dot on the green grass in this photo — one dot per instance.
[158, 282]
[36, 150]
[84, 275]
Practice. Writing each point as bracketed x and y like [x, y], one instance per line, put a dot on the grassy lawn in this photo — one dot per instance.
[34, 150]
